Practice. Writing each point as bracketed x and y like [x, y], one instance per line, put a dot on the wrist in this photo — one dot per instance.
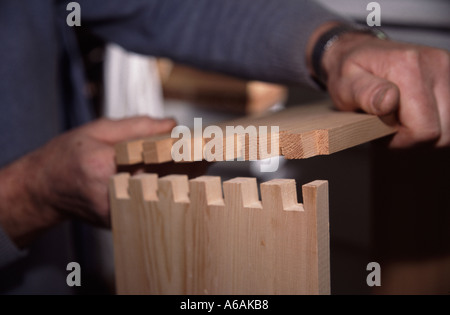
[314, 38]
[24, 210]
[331, 42]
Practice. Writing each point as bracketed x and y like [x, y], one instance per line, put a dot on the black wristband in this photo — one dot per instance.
[327, 40]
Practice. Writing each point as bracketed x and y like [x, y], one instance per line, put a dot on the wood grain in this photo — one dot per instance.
[189, 237]
[304, 131]
[218, 92]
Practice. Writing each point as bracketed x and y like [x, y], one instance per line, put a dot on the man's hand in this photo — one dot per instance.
[68, 177]
[384, 77]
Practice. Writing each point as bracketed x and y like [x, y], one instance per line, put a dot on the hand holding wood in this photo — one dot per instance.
[68, 177]
[382, 77]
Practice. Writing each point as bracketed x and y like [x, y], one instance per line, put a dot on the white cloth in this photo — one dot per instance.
[132, 85]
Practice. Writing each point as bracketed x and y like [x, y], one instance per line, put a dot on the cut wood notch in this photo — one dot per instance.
[178, 236]
[303, 132]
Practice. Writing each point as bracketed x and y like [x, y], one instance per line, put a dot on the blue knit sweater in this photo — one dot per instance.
[41, 77]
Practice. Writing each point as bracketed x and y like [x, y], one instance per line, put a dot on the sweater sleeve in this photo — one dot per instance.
[253, 39]
[9, 253]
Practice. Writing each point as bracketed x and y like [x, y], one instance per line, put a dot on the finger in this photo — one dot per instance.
[418, 113]
[114, 131]
[360, 89]
[442, 95]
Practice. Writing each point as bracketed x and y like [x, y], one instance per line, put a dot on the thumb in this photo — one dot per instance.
[114, 131]
[360, 89]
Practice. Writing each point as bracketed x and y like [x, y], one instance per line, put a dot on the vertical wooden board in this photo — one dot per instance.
[315, 197]
[119, 200]
[175, 237]
[245, 237]
[296, 263]
[164, 242]
[129, 261]
[287, 225]
[208, 219]
[152, 241]
[141, 188]
[174, 205]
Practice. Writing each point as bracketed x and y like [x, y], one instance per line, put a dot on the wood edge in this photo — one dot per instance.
[118, 186]
[304, 145]
[367, 130]
[281, 194]
[175, 188]
[144, 186]
[244, 190]
[157, 151]
[208, 187]
[129, 153]
[316, 203]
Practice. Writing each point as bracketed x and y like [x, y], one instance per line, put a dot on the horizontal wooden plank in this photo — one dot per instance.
[302, 132]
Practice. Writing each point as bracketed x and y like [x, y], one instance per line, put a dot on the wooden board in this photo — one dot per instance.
[216, 91]
[304, 132]
[174, 236]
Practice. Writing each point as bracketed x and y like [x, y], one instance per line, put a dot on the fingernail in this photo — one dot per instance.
[164, 120]
[378, 99]
[169, 121]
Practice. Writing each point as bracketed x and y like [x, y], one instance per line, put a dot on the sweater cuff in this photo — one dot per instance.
[9, 252]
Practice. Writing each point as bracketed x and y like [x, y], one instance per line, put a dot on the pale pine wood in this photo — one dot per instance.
[157, 150]
[187, 237]
[304, 132]
[315, 196]
[129, 153]
[208, 219]
[126, 214]
[119, 199]
[217, 91]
